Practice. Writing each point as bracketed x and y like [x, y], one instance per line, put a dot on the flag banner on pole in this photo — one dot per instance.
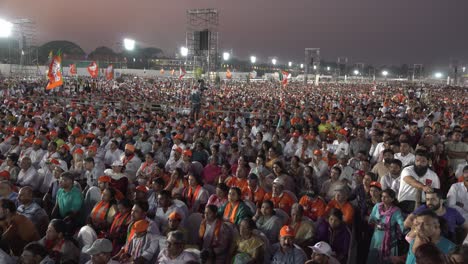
[172, 72]
[93, 69]
[110, 72]
[182, 73]
[283, 77]
[72, 69]
[161, 71]
[228, 74]
[55, 73]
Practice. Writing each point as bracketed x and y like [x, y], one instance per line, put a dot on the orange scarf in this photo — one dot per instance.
[192, 197]
[100, 211]
[230, 213]
[217, 230]
[119, 220]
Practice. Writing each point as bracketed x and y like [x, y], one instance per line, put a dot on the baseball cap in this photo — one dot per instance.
[322, 248]
[101, 245]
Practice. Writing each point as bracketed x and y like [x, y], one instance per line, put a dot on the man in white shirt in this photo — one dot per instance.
[342, 147]
[415, 179]
[36, 153]
[392, 179]
[175, 253]
[28, 175]
[112, 154]
[457, 196]
[292, 146]
[406, 157]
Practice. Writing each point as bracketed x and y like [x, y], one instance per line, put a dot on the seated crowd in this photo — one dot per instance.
[333, 174]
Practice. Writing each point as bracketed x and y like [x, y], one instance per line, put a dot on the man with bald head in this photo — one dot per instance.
[32, 210]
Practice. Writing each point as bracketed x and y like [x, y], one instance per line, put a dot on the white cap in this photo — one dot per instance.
[322, 248]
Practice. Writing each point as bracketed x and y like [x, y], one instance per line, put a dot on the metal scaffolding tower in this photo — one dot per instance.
[311, 62]
[25, 52]
[202, 38]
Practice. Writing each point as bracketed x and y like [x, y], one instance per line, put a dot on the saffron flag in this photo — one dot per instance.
[73, 70]
[110, 72]
[228, 74]
[172, 72]
[283, 77]
[161, 71]
[93, 69]
[182, 73]
[55, 73]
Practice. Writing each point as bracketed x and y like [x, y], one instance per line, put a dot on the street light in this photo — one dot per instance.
[438, 75]
[356, 72]
[184, 51]
[315, 67]
[5, 28]
[302, 66]
[129, 44]
[289, 64]
[385, 73]
[253, 59]
[273, 61]
[328, 68]
[226, 56]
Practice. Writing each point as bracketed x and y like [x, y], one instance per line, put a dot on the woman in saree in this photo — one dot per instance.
[249, 246]
[268, 222]
[388, 222]
[235, 209]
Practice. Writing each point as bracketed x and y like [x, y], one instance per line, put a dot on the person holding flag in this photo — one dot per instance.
[55, 72]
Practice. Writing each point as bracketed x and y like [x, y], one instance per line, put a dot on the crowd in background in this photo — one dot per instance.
[168, 171]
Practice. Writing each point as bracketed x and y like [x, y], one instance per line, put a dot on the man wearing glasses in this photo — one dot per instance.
[175, 253]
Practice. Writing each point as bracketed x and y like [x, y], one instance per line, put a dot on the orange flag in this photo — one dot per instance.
[228, 74]
[172, 72]
[73, 70]
[93, 69]
[161, 71]
[55, 73]
[110, 72]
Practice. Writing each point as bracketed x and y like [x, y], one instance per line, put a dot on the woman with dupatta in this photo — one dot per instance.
[388, 222]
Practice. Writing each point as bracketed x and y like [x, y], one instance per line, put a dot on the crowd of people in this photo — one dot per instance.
[165, 171]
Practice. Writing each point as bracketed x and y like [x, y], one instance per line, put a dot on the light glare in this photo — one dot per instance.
[129, 44]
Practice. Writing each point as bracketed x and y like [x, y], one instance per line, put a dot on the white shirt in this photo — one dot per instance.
[183, 258]
[388, 182]
[291, 148]
[36, 157]
[405, 160]
[112, 156]
[375, 154]
[407, 192]
[458, 193]
[30, 178]
[342, 148]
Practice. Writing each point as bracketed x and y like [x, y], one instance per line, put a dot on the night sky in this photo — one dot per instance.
[369, 31]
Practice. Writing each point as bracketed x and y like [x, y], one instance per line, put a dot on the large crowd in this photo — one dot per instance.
[175, 171]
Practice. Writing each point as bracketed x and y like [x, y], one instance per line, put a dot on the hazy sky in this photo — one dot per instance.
[370, 31]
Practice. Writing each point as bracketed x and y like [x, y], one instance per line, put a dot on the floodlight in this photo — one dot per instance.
[129, 44]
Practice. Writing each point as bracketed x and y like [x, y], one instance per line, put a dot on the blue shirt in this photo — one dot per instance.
[444, 245]
[451, 216]
[69, 201]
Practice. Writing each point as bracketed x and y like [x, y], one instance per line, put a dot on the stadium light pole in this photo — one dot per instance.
[438, 75]
[302, 66]
[253, 59]
[356, 72]
[6, 28]
[273, 61]
[226, 56]
[184, 51]
[290, 64]
[129, 44]
[328, 68]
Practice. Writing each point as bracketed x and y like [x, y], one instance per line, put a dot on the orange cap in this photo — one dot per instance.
[5, 174]
[37, 141]
[78, 151]
[318, 152]
[92, 148]
[376, 185]
[175, 216]
[187, 153]
[179, 136]
[104, 178]
[130, 147]
[65, 146]
[76, 131]
[287, 231]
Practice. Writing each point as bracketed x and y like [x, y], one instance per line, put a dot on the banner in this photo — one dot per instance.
[93, 70]
[55, 73]
[182, 73]
[72, 69]
[110, 72]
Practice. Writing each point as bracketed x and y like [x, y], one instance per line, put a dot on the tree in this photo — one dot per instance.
[69, 50]
[103, 53]
[197, 73]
